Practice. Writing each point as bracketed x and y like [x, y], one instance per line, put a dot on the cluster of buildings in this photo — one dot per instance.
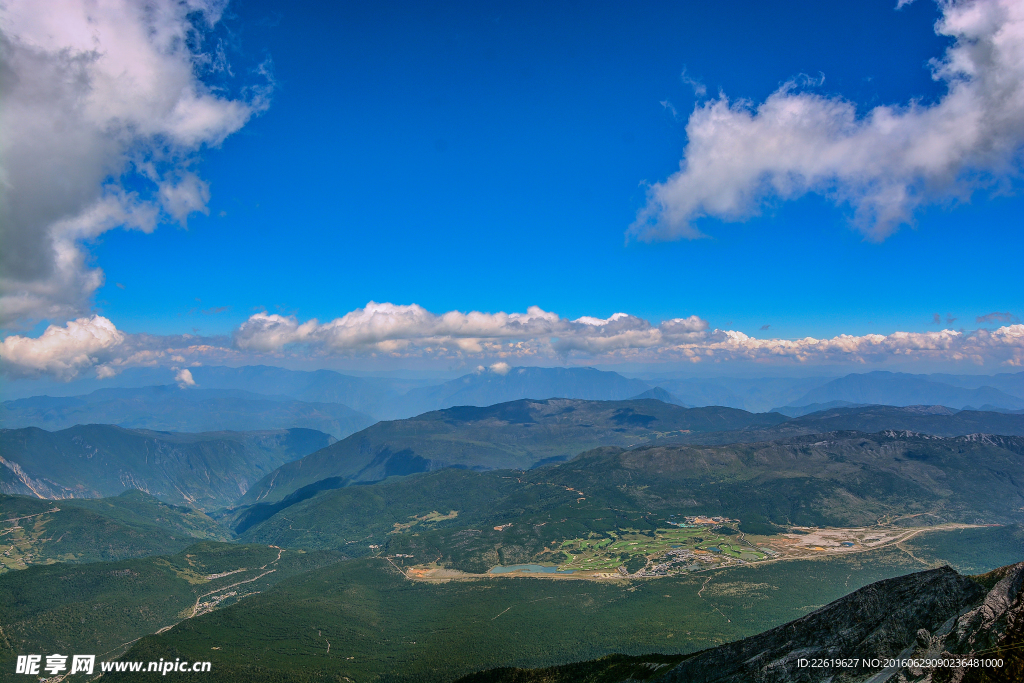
[701, 520]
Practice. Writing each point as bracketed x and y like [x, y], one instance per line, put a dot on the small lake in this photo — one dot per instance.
[528, 569]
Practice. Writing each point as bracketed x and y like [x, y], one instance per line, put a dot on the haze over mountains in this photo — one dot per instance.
[466, 488]
[901, 389]
[263, 397]
[211, 470]
[172, 408]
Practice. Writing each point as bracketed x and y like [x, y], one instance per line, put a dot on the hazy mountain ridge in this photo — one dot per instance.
[902, 389]
[660, 394]
[932, 420]
[205, 470]
[518, 434]
[756, 395]
[170, 408]
[371, 396]
[488, 387]
[341, 404]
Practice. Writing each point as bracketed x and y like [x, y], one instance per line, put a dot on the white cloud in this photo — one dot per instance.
[412, 331]
[94, 92]
[61, 352]
[68, 351]
[499, 339]
[184, 378]
[380, 325]
[500, 368]
[884, 164]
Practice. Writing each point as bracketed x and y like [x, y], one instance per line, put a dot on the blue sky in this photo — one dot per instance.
[492, 156]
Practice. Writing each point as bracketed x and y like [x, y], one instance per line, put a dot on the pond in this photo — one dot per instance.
[529, 569]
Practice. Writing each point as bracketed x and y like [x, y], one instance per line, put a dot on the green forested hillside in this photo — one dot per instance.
[100, 608]
[413, 606]
[204, 470]
[841, 479]
[381, 626]
[519, 434]
[134, 524]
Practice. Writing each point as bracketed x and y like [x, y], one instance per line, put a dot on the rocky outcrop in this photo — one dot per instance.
[875, 622]
[994, 630]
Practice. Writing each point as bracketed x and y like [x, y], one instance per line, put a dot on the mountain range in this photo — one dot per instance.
[229, 469]
[902, 389]
[515, 435]
[351, 521]
[526, 434]
[839, 479]
[933, 420]
[191, 409]
[228, 398]
[202, 470]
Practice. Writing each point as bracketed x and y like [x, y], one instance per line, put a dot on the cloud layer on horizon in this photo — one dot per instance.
[884, 165]
[98, 101]
[384, 330]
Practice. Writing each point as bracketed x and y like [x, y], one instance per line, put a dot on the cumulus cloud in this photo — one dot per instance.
[538, 335]
[62, 352]
[184, 378]
[390, 328]
[97, 96]
[884, 165]
[67, 351]
[499, 339]
[385, 326]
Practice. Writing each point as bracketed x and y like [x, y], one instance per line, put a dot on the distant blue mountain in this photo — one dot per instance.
[902, 389]
[170, 408]
[487, 388]
[800, 411]
[661, 395]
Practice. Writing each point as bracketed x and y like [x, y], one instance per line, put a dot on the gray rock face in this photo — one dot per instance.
[877, 621]
[992, 630]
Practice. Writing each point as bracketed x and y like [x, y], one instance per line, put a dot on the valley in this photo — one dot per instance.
[630, 554]
[511, 342]
[527, 534]
[385, 626]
